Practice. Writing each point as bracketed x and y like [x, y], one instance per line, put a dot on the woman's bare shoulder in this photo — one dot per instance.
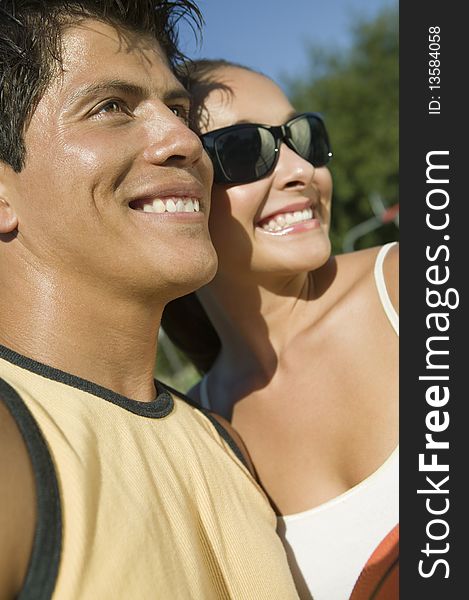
[363, 258]
[355, 271]
[18, 502]
[355, 266]
[361, 262]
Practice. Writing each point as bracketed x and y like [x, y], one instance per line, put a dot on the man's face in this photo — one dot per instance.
[108, 150]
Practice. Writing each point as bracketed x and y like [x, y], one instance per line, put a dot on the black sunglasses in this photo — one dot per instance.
[248, 152]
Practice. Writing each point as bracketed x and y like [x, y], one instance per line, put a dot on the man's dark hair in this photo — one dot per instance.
[30, 50]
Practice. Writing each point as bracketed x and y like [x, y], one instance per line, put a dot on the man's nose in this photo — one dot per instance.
[171, 141]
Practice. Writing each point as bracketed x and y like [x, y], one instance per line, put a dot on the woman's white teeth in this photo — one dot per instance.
[172, 205]
[281, 221]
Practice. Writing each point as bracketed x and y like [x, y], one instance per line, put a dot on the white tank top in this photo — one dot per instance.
[328, 545]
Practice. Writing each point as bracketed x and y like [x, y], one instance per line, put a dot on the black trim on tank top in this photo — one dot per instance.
[226, 436]
[158, 408]
[44, 562]
[218, 426]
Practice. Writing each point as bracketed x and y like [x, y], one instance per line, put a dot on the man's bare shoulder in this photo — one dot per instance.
[17, 501]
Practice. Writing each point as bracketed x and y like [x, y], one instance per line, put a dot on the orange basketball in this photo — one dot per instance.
[379, 579]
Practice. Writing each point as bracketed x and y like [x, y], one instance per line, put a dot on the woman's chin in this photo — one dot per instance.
[288, 265]
[302, 254]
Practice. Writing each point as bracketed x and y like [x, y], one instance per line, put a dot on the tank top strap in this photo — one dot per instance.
[382, 289]
[203, 393]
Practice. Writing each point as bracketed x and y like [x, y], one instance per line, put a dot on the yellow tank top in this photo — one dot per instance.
[137, 500]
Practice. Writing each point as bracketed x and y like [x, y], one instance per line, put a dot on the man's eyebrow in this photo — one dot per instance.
[123, 87]
[177, 94]
[100, 87]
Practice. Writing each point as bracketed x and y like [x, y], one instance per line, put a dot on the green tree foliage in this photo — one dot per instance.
[357, 92]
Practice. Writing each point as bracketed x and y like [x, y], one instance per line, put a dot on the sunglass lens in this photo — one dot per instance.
[309, 138]
[246, 154]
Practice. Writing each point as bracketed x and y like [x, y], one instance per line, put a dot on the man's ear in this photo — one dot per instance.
[8, 216]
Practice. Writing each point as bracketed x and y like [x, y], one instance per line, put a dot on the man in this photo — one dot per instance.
[109, 486]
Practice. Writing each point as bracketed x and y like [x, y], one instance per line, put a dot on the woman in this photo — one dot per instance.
[302, 352]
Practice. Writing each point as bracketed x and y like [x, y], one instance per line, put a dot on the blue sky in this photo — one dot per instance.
[272, 35]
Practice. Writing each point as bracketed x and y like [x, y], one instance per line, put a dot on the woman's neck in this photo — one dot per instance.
[256, 322]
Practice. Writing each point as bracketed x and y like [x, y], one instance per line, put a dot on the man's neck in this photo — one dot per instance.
[103, 338]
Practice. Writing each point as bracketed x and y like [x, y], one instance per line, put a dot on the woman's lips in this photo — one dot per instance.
[288, 221]
[300, 227]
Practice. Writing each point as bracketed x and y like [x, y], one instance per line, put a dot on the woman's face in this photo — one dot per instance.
[244, 218]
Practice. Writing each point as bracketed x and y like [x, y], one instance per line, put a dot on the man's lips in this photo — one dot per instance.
[181, 199]
[174, 204]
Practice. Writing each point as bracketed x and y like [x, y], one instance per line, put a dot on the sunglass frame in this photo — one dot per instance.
[280, 133]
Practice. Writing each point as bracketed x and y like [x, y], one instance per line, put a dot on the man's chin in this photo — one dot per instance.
[203, 271]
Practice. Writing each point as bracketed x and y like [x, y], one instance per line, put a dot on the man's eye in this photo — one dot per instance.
[113, 106]
[182, 112]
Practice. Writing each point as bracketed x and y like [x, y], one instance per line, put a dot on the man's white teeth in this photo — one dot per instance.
[172, 205]
[281, 221]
